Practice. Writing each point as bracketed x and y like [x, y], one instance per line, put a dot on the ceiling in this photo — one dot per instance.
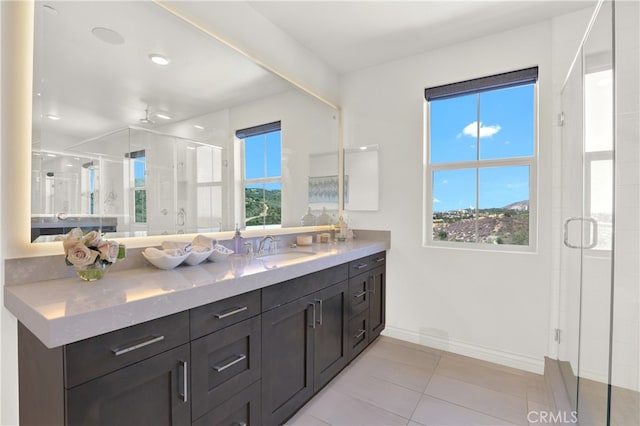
[351, 35]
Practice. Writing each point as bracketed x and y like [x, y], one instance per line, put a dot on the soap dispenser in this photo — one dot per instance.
[238, 241]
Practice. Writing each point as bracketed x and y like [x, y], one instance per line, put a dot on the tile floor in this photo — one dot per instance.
[399, 383]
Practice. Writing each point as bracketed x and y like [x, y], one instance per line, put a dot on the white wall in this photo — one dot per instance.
[626, 304]
[490, 305]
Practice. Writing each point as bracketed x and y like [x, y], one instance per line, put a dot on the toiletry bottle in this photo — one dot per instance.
[238, 243]
[342, 229]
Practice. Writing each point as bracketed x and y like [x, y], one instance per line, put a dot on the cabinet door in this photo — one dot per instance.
[152, 392]
[377, 302]
[331, 353]
[287, 359]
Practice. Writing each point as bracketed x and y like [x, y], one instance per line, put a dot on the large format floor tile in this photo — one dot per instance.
[400, 383]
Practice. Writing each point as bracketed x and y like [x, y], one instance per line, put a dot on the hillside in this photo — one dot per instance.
[506, 225]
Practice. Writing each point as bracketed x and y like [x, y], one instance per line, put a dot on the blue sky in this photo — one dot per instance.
[506, 130]
[255, 149]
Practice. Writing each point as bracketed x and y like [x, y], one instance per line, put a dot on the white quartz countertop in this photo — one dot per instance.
[64, 311]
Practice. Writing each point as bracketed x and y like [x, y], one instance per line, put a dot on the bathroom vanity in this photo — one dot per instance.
[231, 343]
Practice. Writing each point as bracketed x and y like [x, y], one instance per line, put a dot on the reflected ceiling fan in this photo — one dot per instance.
[146, 119]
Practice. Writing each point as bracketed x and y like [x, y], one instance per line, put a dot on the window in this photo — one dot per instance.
[138, 165]
[481, 161]
[262, 179]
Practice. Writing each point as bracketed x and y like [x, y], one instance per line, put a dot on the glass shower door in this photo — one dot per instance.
[587, 208]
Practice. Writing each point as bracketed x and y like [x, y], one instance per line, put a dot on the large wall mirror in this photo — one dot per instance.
[145, 125]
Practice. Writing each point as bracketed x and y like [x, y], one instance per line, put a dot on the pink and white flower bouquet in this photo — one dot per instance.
[89, 252]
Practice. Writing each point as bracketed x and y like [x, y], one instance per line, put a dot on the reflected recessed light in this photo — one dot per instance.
[51, 155]
[53, 117]
[69, 165]
[199, 127]
[163, 116]
[158, 59]
[107, 35]
[191, 147]
[363, 148]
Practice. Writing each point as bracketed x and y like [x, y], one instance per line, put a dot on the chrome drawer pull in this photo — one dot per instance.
[231, 311]
[359, 294]
[361, 266]
[184, 384]
[380, 259]
[237, 359]
[239, 424]
[152, 340]
[359, 335]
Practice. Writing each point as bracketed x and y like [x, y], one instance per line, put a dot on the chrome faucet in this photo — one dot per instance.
[272, 244]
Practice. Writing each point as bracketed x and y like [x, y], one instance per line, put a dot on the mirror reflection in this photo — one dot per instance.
[152, 127]
[361, 178]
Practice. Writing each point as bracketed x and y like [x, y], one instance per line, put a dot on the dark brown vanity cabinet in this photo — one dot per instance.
[251, 359]
[367, 294]
[136, 375]
[304, 341]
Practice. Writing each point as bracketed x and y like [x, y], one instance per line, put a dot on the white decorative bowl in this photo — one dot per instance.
[220, 253]
[165, 262]
[195, 257]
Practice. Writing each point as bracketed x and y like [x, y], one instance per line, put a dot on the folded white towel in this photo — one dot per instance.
[183, 247]
[222, 249]
[154, 252]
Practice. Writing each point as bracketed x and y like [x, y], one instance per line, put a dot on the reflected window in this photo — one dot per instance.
[262, 175]
[138, 171]
[481, 160]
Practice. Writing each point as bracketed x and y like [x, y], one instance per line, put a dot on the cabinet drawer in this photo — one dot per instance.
[358, 337]
[96, 356]
[288, 291]
[217, 315]
[358, 293]
[224, 363]
[241, 409]
[365, 264]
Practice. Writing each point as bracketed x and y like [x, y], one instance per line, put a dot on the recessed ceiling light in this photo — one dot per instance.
[53, 117]
[191, 147]
[51, 155]
[363, 148]
[107, 35]
[158, 59]
[199, 127]
[163, 116]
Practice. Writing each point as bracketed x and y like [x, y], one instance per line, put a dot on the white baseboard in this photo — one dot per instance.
[509, 359]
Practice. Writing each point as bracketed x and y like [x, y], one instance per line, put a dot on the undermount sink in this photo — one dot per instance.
[286, 257]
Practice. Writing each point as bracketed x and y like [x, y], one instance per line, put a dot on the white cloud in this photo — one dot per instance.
[445, 181]
[435, 200]
[485, 131]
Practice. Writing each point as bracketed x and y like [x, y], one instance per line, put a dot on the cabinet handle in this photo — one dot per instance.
[153, 339]
[236, 359]
[239, 424]
[320, 303]
[380, 259]
[360, 334]
[359, 294]
[313, 318]
[184, 383]
[231, 311]
[361, 266]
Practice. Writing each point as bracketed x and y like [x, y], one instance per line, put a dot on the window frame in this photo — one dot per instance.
[478, 164]
[242, 135]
